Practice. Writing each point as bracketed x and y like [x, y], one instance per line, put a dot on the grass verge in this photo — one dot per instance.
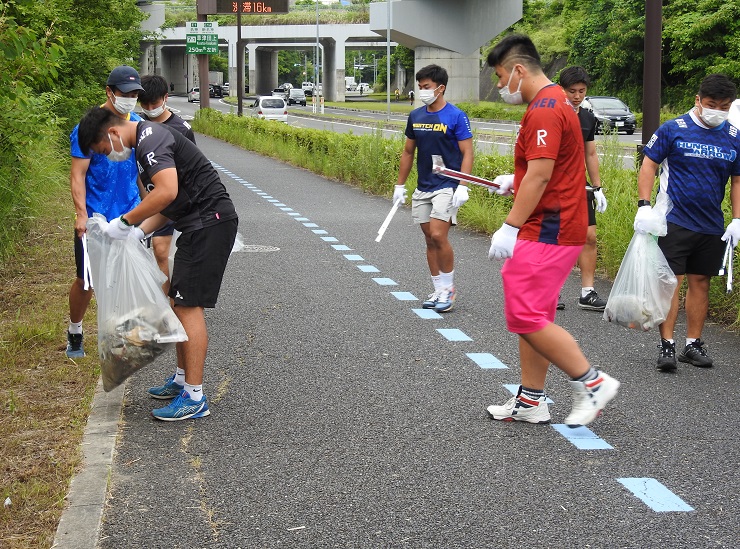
[45, 397]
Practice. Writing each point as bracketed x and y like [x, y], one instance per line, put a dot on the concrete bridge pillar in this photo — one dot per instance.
[463, 71]
[263, 70]
[333, 86]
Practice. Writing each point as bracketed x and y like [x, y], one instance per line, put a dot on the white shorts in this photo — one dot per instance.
[436, 204]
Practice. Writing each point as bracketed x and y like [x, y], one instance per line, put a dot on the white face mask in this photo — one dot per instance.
[713, 117]
[427, 96]
[154, 113]
[118, 156]
[124, 105]
[512, 98]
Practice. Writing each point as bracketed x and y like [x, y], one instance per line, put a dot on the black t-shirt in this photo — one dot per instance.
[588, 124]
[201, 199]
[174, 121]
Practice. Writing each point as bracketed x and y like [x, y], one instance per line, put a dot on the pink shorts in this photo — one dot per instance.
[532, 280]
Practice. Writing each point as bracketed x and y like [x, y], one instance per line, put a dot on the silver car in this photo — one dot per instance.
[270, 108]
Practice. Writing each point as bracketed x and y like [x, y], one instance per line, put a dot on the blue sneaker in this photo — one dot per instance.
[74, 346]
[431, 300]
[446, 300]
[183, 407]
[170, 389]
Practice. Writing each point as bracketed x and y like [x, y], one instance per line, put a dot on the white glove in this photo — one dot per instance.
[600, 200]
[399, 193]
[461, 196]
[138, 233]
[643, 219]
[732, 234]
[502, 242]
[505, 183]
[118, 230]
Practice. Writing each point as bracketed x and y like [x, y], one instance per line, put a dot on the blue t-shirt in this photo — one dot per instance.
[437, 133]
[110, 187]
[696, 164]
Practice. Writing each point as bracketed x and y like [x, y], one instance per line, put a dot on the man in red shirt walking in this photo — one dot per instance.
[542, 237]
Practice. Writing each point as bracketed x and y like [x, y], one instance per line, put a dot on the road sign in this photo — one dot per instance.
[251, 8]
[201, 43]
[201, 27]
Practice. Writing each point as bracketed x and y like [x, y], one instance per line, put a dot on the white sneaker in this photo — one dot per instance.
[521, 408]
[589, 398]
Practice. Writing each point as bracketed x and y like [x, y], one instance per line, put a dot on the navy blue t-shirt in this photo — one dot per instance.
[437, 133]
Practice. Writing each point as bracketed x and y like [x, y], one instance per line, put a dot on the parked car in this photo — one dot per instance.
[214, 90]
[225, 87]
[270, 108]
[194, 95]
[297, 97]
[280, 92]
[610, 112]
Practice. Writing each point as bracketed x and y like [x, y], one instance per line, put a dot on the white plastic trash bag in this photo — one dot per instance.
[643, 289]
[135, 321]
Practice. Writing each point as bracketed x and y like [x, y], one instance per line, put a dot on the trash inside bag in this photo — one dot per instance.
[135, 321]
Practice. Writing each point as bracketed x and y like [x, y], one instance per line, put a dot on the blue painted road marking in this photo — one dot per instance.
[655, 495]
[427, 313]
[273, 200]
[329, 239]
[404, 296]
[302, 219]
[279, 204]
[513, 388]
[453, 334]
[294, 213]
[368, 268]
[385, 281]
[341, 247]
[286, 209]
[486, 360]
[319, 231]
[582, 438]
[353, 257]
[310, 225]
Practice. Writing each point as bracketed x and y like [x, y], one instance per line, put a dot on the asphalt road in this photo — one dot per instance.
[341, 418]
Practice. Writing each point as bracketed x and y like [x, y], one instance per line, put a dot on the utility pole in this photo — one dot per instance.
[651, 74]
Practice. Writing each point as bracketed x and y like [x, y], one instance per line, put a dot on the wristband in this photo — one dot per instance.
[641, 203]
[594, 189]
[124, 221]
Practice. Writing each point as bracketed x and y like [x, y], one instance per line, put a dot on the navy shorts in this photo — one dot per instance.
[591, 201]
[200, 262]
[79, 257]
[167, 230]
[689, 252]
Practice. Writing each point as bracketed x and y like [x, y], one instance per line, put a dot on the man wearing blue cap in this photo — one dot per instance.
[99, 184]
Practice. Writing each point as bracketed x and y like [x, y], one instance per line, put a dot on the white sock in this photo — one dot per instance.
[195, 392]
[75, 327]
[586, 290]
[437, 281]
[446, 278]
[179, 376]
[690, 340]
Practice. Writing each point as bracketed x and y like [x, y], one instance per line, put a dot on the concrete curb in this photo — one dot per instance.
[79, 527]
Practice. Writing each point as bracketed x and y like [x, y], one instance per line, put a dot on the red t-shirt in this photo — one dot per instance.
[550, 129]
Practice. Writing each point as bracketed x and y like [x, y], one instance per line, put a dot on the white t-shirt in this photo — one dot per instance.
[734, 116]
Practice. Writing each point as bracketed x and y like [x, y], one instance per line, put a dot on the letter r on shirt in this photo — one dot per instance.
[150, 158]
[541, 134]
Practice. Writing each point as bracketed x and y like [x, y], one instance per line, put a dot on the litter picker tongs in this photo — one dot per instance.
[726, 267]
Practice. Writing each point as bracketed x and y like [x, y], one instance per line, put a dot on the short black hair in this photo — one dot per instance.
[569, 76]
[155, 88]
[717, 86]
[93, 126]
[435, 73]
[518, 48]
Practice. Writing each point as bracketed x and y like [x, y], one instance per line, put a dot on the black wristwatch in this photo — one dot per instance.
[641, 203]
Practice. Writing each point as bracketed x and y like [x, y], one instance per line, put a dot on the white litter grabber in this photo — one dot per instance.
[438, 166]
[387, 220]
[726, 267]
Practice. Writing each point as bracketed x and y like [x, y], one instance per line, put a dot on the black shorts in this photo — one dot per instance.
[79, 257]
[591, 201]
[167, 230]
[689, 252]
[200, 262]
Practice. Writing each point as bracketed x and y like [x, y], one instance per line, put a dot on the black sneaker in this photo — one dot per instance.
[694, 353]
[74, 346]
[667, 357]
[561, 304]
[592, 302]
